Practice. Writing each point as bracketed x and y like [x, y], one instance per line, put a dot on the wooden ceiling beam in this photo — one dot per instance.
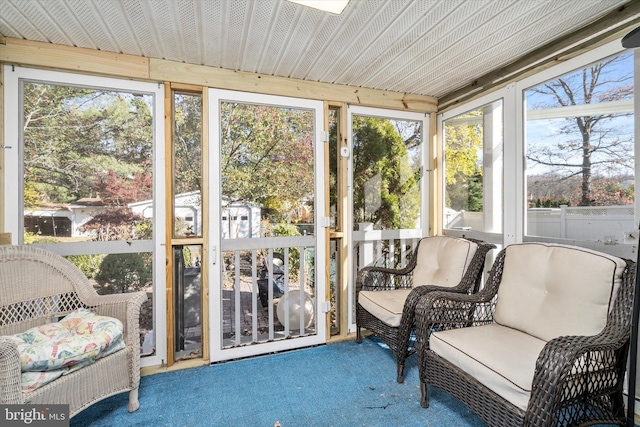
[67, 58]
[180, 72]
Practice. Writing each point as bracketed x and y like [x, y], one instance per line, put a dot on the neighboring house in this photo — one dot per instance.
[64, 220]
[238, 220]
[61, 220]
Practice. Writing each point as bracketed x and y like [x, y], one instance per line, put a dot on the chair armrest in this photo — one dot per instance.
[473, 276]
[569, 368]
[380, 279]
[438, 310]
[446, 306]
[10, 373]
[125, 307]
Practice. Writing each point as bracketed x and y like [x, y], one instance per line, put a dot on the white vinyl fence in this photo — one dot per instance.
[607, 224]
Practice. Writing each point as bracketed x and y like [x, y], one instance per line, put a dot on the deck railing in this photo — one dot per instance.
[387, 248]
[245, 320]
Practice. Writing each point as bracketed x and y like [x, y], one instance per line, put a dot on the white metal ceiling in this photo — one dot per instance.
[428, 47]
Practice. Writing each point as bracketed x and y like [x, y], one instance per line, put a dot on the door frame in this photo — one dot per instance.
[425, 186]
[217, 353]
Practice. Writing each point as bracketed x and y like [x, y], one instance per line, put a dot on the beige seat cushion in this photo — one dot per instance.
[442, 261]
[501, 358]
[550, 290]
[385, 305]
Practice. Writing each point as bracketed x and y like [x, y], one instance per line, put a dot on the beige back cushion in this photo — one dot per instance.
[550, 290]
[442, 260]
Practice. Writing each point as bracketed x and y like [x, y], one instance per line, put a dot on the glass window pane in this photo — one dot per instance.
[387, 170]
[187, 163]
[387, 174]
[473, 170]
[187, 290]
[88, 176]
[267, 171]
[87, 164]
[123, 273]
[267, 176]
[334, 156]
[580, 154]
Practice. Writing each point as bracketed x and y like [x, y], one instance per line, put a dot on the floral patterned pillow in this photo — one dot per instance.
[80, 337]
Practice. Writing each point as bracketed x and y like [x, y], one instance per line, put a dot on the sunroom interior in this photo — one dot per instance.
[229, 156]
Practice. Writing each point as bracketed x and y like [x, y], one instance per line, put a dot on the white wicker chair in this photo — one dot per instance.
[38, 287]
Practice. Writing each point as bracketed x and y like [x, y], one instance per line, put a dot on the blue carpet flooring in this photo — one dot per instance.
[342, 384]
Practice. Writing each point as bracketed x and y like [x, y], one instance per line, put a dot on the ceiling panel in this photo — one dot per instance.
[427, 47]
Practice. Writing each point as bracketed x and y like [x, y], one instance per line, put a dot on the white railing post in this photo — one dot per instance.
[366, 247]
[563, 221]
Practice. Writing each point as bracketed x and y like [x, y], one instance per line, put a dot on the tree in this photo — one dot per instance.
[119, 223]
[463, 165]
[51, 126]
[118, 273]
[116, 190]
[267, 156]
[587, 145]
[87, 143]
[386, 188]
[73, 136]
[121, 273]
[188, 143]
[554, 190]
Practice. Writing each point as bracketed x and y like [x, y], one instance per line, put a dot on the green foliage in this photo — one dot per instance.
[466, 193]
[31, 238]
[463, 165]
[74, 137]
[267, 156]
[118, 224]
[386, 188]
[88, 264]
[284, 230]
[31, 196]
[144, 229]
[121, 273]
[187, 143]
[273, 209]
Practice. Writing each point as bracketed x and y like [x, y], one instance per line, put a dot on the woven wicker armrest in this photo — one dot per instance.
[440, 310]
[571, 370]
[439, 306]
[574, 369]
[124, 307]
[380, 278]
[9, 373]
[413, 299]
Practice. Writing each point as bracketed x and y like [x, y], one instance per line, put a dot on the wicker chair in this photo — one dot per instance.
[39, 287]
[544, 343]
[387, 297]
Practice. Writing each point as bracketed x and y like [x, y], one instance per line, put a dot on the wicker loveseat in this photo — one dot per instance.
[544, 343]
[386, 297]
[38, 288]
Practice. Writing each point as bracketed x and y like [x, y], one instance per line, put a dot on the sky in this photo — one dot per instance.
[546, 133]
